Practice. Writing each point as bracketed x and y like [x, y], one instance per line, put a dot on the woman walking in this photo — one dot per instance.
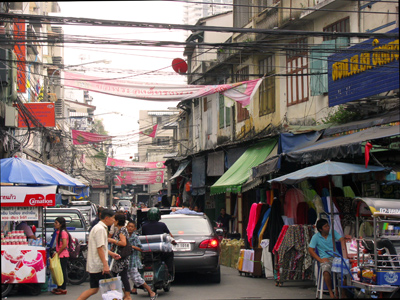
[63, 238]
[121, 266]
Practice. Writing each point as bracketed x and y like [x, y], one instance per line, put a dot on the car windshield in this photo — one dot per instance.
[192, 225]
[124, 202]
[72, 219]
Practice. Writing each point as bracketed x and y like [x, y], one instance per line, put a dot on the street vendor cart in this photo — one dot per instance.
[378, 247]
[23, 263]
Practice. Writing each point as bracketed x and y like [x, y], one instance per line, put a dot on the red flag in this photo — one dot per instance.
[368, 147]
[84, 138]
[151, 132]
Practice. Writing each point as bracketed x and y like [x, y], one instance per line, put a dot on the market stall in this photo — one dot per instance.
[22, 263]
[26, 188]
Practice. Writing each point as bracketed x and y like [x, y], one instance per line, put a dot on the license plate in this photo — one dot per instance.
[148, 276]
[182, 247]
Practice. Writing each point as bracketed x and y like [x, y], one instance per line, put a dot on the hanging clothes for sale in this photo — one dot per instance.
[337, 224]
[263, 208]
[252, 222]
[275, 224]
[292, 259]
[292, 198]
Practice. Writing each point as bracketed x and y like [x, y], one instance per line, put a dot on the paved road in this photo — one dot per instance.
[194, 287]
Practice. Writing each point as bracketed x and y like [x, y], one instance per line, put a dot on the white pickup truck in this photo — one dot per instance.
[76, 223]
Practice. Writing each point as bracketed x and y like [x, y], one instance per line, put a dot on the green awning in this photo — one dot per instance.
[240, 171]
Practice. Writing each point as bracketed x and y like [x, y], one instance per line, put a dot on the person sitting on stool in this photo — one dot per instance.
[323, 242]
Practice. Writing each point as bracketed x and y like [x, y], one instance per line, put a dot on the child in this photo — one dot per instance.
[135, 263]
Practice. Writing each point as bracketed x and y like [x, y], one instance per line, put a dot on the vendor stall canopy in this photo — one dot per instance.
[325, 169]
[22, 171]
[240, 171]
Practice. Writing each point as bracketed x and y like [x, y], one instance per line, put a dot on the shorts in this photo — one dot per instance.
[95, 278]
[134, 275]
[327, 266]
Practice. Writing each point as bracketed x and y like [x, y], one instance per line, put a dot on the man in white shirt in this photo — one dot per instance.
[133, 212]
[97, 264]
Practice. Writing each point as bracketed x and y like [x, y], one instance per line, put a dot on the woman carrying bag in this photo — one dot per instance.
[62, 239]
[120, 267]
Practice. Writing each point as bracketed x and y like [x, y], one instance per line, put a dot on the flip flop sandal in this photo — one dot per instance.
[134, 293]
[154, 297]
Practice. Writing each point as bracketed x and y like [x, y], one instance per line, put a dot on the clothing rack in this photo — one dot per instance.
[292, 260]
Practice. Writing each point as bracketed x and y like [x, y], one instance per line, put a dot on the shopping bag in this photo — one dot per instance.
[111, 288]
[56, 270]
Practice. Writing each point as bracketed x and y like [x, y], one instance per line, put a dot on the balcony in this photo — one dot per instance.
[325, 4]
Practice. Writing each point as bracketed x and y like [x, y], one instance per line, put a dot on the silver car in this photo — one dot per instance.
[197, 248]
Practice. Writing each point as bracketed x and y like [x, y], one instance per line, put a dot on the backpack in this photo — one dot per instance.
[73, 247]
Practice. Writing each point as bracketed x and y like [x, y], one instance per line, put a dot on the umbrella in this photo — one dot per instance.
[327, 168]
[23, 171]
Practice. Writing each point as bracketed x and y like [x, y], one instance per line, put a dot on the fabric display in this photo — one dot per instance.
[293, 197]
[246, 261]
[263, 226]
[266, 259]
[156, 243]
[337, 224]
[275, 224]
[263, 209]
[291, 257]
[112, 295]
[252, 222]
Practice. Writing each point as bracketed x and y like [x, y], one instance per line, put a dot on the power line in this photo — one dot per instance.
[117, 23]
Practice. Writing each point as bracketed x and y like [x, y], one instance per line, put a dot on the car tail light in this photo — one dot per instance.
[211, 243]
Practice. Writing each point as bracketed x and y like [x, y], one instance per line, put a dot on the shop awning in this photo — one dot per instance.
[181, 168]
[340, 147]
[66, 192]
[240, 171]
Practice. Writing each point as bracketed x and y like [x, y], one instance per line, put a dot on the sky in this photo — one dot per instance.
[128, 58]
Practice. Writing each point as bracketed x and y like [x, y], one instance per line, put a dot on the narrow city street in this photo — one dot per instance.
[192, 286]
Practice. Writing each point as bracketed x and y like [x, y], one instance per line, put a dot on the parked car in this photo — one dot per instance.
[88, 208]
[76, 223]
[198, 249]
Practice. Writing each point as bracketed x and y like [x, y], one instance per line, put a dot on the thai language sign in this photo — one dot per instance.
[44, 112]
[20, 213]
[28, 195]
[112, 162]
[363, 70]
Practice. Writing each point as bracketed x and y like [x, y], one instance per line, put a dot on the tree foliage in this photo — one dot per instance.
[340, 116]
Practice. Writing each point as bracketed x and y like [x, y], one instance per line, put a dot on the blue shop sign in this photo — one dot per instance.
[366, 69]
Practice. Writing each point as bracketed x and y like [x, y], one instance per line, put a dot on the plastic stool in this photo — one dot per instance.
[320, 283]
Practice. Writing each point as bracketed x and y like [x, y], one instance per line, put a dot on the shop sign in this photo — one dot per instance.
[19, 213]
[366, 69]
[28, 195]
[44, 112]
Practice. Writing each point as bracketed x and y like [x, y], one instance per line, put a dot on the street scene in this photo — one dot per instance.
[212, 149]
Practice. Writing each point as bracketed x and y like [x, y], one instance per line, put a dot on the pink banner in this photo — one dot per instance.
[139, 180]
[112, 162]
[241, 92]
[84, 138]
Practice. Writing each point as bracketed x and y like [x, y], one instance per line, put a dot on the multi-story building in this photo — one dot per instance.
[299, 48]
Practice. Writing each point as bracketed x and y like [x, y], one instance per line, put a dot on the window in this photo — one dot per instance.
[319, 64]
[71, 219]
[241, 12]
[267, 88]
[161, 141]
[242, 75]
[224, 113]
[205, 104]
[342, 25]
[296, 66]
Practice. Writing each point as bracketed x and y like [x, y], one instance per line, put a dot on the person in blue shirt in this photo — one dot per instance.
[322, 241]
[186, 210]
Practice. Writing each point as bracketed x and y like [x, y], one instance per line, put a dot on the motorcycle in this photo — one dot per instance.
[155, 271]
[219, 230]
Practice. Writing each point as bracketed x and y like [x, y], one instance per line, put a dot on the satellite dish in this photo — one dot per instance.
[179, 65]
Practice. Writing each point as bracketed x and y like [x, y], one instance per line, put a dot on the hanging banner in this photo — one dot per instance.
[241, 92]
[142, 175]
[84, 137]
[19, 31]
[28, 195]
[137, 180]
[19, 213]
[112, 162]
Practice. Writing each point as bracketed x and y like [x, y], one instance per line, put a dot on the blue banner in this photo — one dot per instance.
[366, 69]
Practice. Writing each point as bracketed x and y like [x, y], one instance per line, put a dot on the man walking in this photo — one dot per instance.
[97, 264]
